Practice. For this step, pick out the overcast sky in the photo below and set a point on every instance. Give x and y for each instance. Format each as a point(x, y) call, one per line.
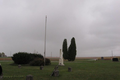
point(95, 24)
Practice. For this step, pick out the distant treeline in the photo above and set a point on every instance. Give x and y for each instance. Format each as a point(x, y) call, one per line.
point(2, 54)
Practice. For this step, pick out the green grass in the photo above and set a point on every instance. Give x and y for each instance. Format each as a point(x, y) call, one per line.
point(81, 70)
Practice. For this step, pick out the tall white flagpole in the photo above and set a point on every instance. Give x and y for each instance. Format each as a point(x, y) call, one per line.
point(45, 39)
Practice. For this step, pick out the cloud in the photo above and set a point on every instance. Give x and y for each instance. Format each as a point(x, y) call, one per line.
point(94, 24)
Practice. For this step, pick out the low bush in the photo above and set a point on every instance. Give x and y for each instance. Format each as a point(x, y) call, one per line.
point(24, 57)
point(102, 58)
point(47, 61)
point(33, 59)
point(40, 62)
point(37, 62)
point(115, 59)
point(36, 56)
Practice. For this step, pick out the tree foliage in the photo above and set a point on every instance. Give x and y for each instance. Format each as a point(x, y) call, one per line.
point(2, 54)
point(64, 49)
point(72, 50)
point(69, 53)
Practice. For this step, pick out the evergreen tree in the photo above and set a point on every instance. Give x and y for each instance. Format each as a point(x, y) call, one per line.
point(72, 50)
point(64, 49)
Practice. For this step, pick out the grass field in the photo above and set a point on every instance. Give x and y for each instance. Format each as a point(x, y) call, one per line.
point(81, 70)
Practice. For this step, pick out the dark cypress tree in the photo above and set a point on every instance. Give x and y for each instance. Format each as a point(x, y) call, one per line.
point(72, 50)
point(64, 49)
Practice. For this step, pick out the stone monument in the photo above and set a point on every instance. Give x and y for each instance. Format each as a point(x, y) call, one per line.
point(61, 59)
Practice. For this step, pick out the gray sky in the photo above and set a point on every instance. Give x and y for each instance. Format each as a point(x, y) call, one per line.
point(95, 24)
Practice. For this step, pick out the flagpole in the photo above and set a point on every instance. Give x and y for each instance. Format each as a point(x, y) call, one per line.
point(45, 39)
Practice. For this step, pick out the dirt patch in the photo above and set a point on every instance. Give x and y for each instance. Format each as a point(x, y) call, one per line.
point(5, 58)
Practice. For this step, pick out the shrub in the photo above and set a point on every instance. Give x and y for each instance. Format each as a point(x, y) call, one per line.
point(22, 58)
point(40, 62)
point(37, 62)
point(102, 58)
point(47, 61)
point(36, 55)
point(33, 59)
point(115, 59)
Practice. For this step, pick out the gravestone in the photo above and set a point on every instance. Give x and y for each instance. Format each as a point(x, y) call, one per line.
point(41, 67)
point(19, 66)
point(61, 59)
point(69, 69)
point(1, 74)
point(55, 72)
point(29, 77)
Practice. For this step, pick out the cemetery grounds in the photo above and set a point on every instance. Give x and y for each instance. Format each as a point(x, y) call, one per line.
point(82, 69)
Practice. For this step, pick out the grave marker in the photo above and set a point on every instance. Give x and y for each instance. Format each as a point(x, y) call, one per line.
point(69, 69)
point(41, 67)
point(19, 66)
point(29, 77)
point(1, 74)
point(55, 72)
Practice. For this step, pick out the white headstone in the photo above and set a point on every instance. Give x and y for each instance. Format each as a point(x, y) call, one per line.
point(61, 59)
